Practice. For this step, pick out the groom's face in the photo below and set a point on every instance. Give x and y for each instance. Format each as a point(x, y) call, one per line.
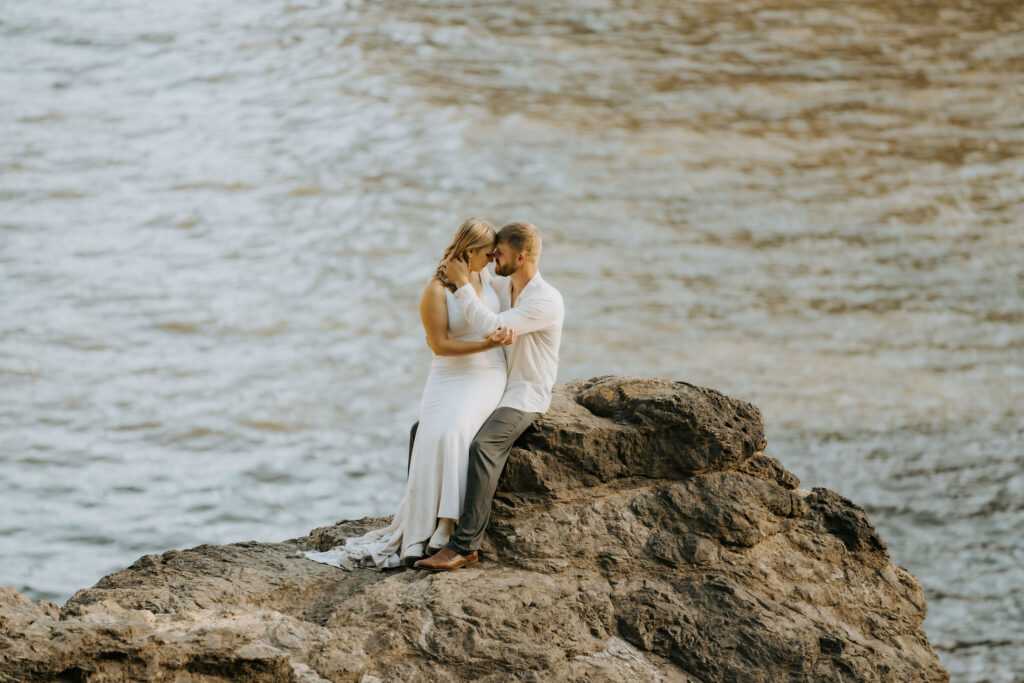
point(505, 259)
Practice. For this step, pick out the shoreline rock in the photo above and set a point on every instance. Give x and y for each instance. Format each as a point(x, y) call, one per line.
point(639, 533)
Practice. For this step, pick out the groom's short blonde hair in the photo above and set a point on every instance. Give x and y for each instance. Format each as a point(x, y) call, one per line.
point(522, 237)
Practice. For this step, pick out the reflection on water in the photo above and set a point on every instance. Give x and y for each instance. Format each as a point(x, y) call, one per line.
point(217, 218)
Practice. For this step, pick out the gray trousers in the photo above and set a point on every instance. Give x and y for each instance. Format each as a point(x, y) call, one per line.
point(487, 455)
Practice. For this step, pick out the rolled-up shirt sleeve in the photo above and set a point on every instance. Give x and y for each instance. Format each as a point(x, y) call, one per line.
point(532, 314)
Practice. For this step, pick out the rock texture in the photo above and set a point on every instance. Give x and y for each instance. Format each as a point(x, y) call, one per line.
point(640, 533)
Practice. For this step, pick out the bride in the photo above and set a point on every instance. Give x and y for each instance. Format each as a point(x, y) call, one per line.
point(466, 381)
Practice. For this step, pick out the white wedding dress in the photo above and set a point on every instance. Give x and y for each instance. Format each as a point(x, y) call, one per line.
point(460, 394)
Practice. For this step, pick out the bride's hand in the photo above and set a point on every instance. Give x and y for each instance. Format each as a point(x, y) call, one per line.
point(502, 337)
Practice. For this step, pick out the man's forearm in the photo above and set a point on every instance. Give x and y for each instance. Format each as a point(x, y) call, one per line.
point(532, 316)
point(477, 315)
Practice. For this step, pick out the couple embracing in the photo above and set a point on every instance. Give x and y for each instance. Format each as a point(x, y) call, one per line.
point(495, 342)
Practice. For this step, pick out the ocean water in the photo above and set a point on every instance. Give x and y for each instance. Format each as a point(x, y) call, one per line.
point(216, 220)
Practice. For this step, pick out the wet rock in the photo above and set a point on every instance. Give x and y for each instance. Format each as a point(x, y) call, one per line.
point(639, 533)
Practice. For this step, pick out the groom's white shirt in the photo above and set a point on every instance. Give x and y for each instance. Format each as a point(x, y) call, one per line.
point(533, 358)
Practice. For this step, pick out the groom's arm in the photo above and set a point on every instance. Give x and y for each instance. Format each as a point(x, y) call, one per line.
point(536, 313)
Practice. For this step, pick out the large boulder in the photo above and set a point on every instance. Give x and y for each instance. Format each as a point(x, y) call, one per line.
point(639, 533)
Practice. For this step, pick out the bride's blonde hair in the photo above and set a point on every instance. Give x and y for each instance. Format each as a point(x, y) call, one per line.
point(474, 233)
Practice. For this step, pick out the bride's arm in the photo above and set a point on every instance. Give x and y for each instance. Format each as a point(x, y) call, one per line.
point(434, 314)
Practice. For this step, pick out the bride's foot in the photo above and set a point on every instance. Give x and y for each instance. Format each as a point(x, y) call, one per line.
point(411, 554)
point(442, 533)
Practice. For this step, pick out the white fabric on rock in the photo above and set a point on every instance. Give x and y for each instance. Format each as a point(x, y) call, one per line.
point(460, 394)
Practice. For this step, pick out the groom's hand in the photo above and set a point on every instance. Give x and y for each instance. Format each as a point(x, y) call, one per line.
point(457, 271)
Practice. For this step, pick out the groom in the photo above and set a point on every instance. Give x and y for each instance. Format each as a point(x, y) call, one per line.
point(534, 309)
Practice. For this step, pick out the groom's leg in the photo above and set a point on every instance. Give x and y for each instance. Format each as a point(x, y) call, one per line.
point(487, 455)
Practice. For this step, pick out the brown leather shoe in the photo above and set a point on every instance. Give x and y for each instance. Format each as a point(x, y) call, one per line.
point(446, 559)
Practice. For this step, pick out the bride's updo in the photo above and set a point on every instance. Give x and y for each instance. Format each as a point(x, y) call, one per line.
point(474, 233)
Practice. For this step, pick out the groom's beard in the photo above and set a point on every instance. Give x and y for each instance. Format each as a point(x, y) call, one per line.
point(504, 270)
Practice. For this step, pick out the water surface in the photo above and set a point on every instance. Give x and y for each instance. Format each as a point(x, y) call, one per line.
point(216, 221)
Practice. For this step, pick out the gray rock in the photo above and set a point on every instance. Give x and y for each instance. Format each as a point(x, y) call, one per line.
point(639, 533)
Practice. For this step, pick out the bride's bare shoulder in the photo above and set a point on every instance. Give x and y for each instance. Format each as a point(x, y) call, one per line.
point(434, 289)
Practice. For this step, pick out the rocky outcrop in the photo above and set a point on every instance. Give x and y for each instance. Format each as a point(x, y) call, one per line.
point(640, 533)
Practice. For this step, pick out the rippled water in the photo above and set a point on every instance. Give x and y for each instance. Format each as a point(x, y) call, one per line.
point(216, 220)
